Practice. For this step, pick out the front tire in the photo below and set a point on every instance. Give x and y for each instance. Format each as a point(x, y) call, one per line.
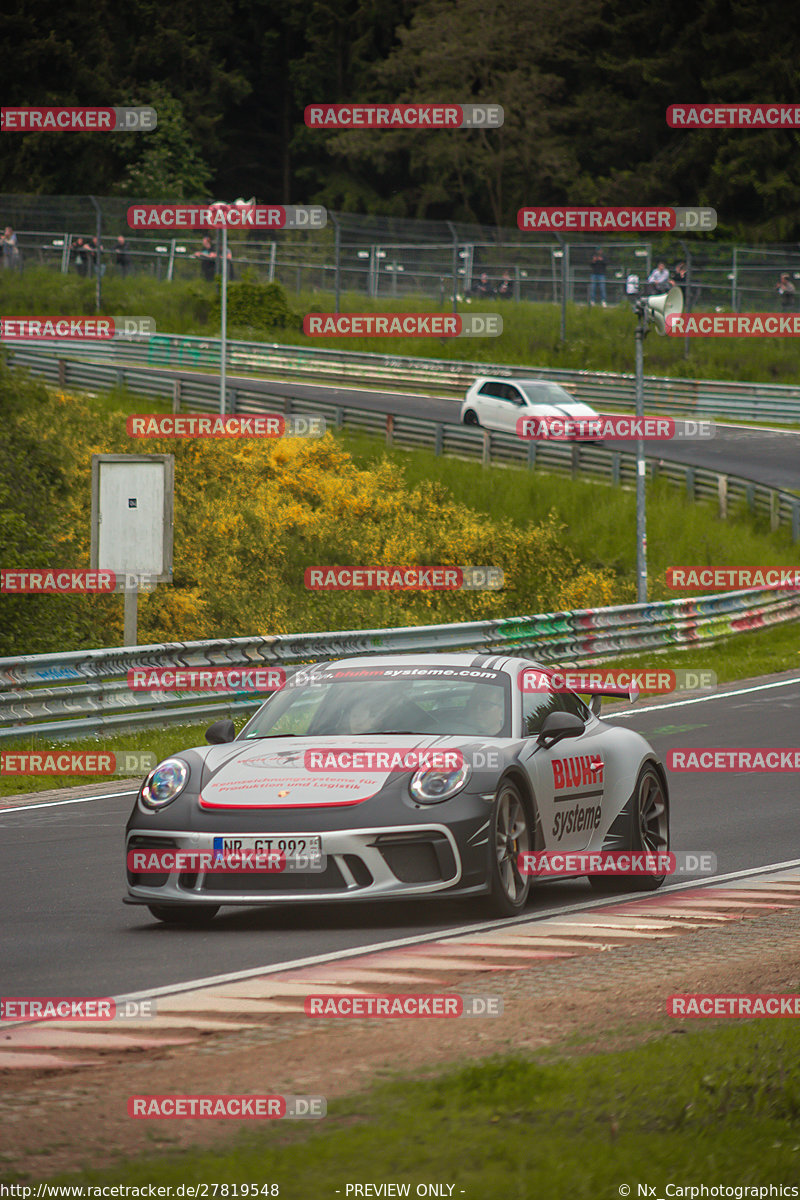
point(509, 836)
point(648, 832)
point(188, 915)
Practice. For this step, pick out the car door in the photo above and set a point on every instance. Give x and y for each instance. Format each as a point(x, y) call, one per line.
point(489, 402)
point(568, 778)
point(511, 407)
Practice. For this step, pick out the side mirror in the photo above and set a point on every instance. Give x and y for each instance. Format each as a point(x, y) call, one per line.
point(558, 725)
point(221, 732)
point(594, 705)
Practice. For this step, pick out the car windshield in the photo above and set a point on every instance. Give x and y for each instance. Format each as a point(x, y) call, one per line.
point(545, 393)
point(336, 707)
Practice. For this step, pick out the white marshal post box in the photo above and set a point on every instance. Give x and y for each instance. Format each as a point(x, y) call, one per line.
point(132, 508)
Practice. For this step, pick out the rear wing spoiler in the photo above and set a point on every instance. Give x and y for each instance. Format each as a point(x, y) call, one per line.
point(629, 694)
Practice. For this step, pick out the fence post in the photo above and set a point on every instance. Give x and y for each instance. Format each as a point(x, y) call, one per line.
point(62, 373)
point(774, 510)
point(487, 449)
point(796, 521)
point(616, 464)
point(690, 482)
point(531, 456)
point(176, 395)
point(439, 443)
point(722, 492)
point(389, 429)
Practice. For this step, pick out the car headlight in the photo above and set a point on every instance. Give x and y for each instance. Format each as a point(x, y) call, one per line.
point(164, 783)
point(430, 786)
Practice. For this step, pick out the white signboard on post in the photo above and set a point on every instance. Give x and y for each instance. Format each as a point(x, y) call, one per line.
point(132, 504)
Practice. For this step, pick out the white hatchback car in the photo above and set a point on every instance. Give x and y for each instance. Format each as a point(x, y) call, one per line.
point(499, 403)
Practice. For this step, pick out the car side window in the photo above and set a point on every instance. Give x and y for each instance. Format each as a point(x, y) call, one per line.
point(495, 390)
point(536, 706)
point(513, 394)
point(573, 704)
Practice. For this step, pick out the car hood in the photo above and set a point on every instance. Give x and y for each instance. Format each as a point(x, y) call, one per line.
point(300, 773)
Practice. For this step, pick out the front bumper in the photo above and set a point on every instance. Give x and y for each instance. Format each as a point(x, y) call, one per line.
point(385, 862)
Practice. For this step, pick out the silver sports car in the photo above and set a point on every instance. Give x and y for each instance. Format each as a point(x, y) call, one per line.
point(390, 777)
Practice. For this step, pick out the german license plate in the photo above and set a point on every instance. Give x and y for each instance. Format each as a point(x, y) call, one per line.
point(290, 843)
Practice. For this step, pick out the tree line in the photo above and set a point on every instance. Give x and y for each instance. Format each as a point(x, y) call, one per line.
point(584, 85)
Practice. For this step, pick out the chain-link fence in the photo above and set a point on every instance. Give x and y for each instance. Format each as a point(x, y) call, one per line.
point(387, 258)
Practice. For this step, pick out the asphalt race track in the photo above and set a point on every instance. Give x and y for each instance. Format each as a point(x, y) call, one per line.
point(66, 931)
point(764, 455)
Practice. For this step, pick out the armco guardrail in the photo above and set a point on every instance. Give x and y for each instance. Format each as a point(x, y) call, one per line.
point(60, 696)
point(186, 390)
point(775, 403)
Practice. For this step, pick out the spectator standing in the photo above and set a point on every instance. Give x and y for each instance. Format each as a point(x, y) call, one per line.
point(632, 287)
point(95, 263)
point(786, 290)
point(121, 257)
point(679, 279)
point(208, 260)
point(81, 252)
point(12, 259)
point(597, 278)
point(658, 279)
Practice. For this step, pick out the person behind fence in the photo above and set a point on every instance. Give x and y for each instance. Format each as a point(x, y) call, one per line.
point(679, 279)
point(208, 260)
point(483, 288)
point(94, 261)
point(597, 278)
point(506, 288)
point(658, 280)
point(786, 290)
point(12, 260)
point(632, 287)
point(122, 259)
point(81, 254)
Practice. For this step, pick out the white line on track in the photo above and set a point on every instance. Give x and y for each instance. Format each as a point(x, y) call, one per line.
point(58, 803)
point(761, 687)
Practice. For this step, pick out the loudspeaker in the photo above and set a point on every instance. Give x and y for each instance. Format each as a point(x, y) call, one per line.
point(668, 305)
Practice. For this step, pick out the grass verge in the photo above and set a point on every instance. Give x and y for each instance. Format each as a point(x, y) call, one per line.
point(714, 1105)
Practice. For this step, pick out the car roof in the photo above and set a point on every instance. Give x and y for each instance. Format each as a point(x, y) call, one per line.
point(503, 663)
point(519, 382)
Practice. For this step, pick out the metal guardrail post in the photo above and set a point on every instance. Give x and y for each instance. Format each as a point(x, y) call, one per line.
point(722, 492)
point(62, 373)
point(486, 457)
point(796, 522)
point(176, 395)
point(774, 510)
point(389, 429)
point(690, 482)
point(438, 445)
